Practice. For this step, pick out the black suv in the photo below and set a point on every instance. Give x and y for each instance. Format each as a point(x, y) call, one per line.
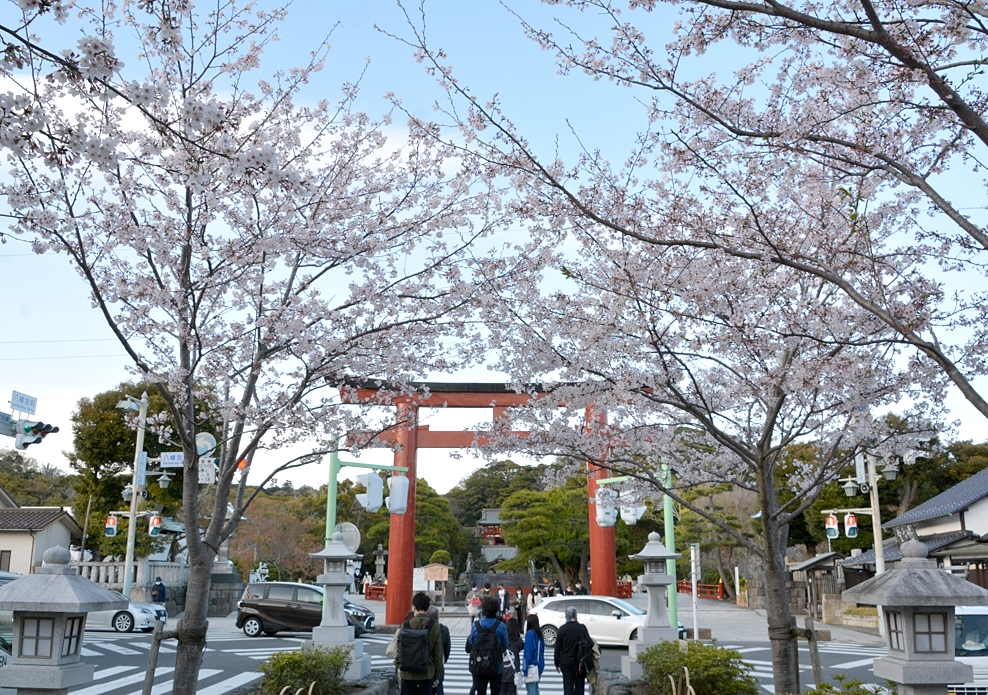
point(270, 607)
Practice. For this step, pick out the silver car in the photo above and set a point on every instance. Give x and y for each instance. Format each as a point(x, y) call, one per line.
point(137, 615)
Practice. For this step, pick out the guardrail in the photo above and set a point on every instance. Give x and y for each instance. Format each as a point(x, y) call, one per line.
point(702, 590)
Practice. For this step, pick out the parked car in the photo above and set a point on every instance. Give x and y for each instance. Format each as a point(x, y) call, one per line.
point(272, 607)
point(137, 615)
point(609, 620)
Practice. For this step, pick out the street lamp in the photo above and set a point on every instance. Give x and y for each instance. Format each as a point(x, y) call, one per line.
point(141, 406)
point(850, 487)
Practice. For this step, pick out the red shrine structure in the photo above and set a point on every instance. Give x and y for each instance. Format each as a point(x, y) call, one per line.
point(407, 436)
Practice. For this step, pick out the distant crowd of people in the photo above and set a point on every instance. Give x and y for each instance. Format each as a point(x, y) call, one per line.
point(504, 659)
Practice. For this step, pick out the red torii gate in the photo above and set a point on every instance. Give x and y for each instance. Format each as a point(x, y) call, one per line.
point(410, 437)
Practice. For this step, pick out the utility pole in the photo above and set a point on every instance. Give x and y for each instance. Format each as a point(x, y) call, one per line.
point(142, 408)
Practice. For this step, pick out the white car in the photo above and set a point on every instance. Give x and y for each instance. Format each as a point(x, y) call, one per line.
point(609, 620)
point(140, 616)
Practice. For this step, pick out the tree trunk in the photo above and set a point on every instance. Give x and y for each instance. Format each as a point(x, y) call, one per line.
point(560, 574)
point(192, 626)
point(725, 573)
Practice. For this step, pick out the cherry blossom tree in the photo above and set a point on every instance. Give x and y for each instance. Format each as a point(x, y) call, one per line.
point(249, 249)
point(705, 368)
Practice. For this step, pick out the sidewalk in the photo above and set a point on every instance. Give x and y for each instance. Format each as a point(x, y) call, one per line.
point(728, 623)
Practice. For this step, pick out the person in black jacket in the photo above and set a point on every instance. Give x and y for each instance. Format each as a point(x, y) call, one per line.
point(566, 656)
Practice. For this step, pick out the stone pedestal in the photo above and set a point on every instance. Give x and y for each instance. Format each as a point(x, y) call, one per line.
point(335, 636)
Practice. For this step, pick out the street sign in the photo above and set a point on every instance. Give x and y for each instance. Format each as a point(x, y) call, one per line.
point(860, 470)
point(172, 459)
point(142, 469)
point(205, 443)
point(4, 418)
point(23, 402)
point(207, 470)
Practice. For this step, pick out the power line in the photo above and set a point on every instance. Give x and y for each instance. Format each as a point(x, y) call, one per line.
point(67, 340)
point(57, 357)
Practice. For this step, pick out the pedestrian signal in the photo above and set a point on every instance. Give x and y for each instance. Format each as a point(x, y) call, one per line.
point(850, 525)
point(154, 526)
point(111, 526)
point(832, 530)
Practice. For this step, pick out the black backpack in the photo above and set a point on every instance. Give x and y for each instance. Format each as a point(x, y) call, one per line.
point(413, 649)
point(485, 655)
point(584, 654)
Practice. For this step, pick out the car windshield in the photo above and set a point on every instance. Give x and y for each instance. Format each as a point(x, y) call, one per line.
point(630, 607)
point(971, 635)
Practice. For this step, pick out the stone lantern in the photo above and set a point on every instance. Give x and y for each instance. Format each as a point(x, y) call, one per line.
point(50, 609)
point(334, 631)
point(379, 556)
point(919, 601)
point(657, 627)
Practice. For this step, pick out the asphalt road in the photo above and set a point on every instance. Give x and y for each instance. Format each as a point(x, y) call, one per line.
point(231, 661)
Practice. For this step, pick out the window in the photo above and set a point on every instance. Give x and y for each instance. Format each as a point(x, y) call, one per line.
point(36, 637)
point(602, 608)
point(309, 596)
point(931, 632)
point(73, 633)
point(280, 592)
point(4, 560)
point(894, 621)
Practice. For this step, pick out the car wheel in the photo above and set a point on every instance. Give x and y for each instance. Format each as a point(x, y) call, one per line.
point(634, 635)
point(252, 627)
point(549, 635)
point(123, 622)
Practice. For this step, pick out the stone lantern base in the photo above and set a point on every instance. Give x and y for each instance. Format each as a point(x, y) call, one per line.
point(922, 677)
point(647, 637)
point(329, 637)
point(49, 681)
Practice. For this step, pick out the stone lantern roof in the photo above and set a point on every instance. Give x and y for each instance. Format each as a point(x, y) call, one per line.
point(654, 550)
point(335, 550)
point(916, 581)
point(55, 587)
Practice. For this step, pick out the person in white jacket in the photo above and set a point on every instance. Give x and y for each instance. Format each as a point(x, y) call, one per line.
point(534, 598)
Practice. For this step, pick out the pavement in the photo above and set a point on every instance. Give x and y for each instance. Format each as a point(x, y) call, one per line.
point(727, 622)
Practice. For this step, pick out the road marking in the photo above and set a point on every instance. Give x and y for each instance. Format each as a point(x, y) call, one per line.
point(147, 645)
point(119, 683)
point(162, 688)
point(117, 648)
point(229, 684)
point(111, 671)
point(855, 664)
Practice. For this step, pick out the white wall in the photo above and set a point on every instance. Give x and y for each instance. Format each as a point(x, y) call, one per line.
point(19, 545)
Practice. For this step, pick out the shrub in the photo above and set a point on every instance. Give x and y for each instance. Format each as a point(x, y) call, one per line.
point(712, 669)
point(862, 610)
point(440, 557)
point(298, 669)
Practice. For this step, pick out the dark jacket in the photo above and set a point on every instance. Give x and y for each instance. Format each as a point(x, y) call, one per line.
point(568, 642)
point(447, 642)
point(419, 622)
point(158, 593)
point(500, 634)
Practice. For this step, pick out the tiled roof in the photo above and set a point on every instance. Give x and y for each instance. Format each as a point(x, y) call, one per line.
point(890, 547)
point(950, 501)
point(824, 559)
point(33, 519)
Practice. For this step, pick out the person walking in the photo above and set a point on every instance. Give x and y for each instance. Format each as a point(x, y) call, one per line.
point(534, 598)
point(159, 594)
point(420, 650)
point(486, 645)
point(515, 645)
point(433, 613)
point(567, 653)
point(473, 601)
point(533, 656)
point(504, 602)
point(520, 607)
point(580, 589)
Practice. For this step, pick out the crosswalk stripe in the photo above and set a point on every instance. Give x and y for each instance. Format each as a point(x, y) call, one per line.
point(112, 671)
point(147, 645)
point(119, 683)
point(162, 688)
point(117, 648)
point(855, 664)
point(229, 684)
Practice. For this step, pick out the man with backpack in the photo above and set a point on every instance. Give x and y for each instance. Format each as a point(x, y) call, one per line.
point(433, 613)
point(486, 645)
point(420, 651)
point(573, 654)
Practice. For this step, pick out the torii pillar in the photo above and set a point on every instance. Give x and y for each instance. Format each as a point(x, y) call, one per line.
point(603, 557)
point(401, 541)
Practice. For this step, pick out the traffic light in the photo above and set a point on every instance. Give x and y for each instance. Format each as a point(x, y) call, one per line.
point(398, 500)
point(832, 530)
point(373, 499)
point(154, 525)
point(28, 432)
point(111, 526)
point(850, 525)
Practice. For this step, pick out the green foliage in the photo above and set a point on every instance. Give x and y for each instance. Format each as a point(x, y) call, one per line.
point(298, 669)
point(33, 485)
point(440, 557)
point(712, 669)
point(490, 486)
point(852, 687)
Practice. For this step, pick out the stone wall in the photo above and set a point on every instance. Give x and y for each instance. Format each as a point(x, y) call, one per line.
point(835, 613)
point(224, 592)
point(797, 596)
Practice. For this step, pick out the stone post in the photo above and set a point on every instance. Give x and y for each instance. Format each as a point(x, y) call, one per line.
point(657, 627)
